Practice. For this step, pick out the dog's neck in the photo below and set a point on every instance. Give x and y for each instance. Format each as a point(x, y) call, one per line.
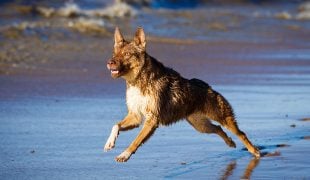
point(150, 69)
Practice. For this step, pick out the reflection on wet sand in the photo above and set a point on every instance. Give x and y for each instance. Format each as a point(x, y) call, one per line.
point(229, 170)
point(189, 168)
point(247, 172)
point(249, 169)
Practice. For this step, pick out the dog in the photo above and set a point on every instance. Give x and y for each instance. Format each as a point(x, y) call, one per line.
point(161, 96)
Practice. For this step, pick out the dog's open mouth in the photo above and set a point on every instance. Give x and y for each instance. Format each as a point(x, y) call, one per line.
point(114, 71)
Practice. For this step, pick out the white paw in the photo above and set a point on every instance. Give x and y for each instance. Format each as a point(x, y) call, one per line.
point(111, 140)
point(123, 157)
point(109, 145)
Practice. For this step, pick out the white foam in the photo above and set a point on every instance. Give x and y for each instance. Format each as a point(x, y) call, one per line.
point(70, 9)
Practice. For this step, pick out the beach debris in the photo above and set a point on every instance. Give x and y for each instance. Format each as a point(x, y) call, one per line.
point(305, 119)
point(183, 163)
point(284, 15)
point(304, 11)
point(83, 25)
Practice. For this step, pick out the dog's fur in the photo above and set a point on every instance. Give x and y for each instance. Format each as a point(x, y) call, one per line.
point(161, 96)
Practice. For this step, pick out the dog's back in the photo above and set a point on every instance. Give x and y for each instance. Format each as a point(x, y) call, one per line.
point(165, 93)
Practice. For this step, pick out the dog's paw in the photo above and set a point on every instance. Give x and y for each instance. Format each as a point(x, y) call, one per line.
point(123, 157)
point(231, 143)
point(109, 145)
point(256, 153)
point(112, 138)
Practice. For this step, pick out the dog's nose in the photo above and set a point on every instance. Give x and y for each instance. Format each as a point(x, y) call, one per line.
point(111, 62)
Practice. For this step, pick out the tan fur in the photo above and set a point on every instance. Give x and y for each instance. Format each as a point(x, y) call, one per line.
point(161, 96)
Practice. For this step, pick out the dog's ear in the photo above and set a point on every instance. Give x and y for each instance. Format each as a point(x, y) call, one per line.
point(140, 38)
point(118, 39)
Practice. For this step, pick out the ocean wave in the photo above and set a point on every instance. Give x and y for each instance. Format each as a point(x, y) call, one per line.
point(70, 9)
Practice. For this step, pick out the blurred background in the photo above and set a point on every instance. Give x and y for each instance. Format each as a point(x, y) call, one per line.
point(163, 20)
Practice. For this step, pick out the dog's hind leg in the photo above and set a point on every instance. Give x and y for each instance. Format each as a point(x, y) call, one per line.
point(129, 122)
point(223, 113)
point(231, 124)
point(203, 125)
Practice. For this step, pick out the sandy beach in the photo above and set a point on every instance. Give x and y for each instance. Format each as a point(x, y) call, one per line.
point(58, 101)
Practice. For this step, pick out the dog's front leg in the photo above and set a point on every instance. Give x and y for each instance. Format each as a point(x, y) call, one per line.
point(112, 138)
point(148, 129)
point(129, 122)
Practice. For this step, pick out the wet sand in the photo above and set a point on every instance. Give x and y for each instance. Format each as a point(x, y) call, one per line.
point(57, 108)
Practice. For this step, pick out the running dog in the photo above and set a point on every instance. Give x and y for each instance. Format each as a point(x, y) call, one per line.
point(161, 96)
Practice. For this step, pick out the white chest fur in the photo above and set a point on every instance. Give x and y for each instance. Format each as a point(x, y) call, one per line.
point(136, 101)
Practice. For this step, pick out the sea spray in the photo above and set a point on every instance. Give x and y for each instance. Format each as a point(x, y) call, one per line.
point(117, 10)
point(93, 26)
point(70, 9)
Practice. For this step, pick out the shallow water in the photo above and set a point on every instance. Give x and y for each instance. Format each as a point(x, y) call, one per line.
point(63, 137)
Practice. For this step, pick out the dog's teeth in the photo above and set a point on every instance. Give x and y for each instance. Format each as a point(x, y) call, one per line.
point(114, 71)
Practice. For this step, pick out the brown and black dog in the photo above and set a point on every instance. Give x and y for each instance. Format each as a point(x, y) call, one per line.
point(161, 96)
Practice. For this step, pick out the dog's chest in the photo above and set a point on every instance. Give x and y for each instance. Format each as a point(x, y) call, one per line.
point(136, 101)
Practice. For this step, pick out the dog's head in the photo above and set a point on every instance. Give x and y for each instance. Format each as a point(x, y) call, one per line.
point(128, 57)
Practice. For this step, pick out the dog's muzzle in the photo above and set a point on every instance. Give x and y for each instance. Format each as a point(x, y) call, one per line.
point(112, 66)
